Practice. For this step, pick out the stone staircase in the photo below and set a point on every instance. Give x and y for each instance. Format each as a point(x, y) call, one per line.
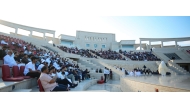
point(116, 75)
point(89, 64)
point(161, 56)
point(177, 68)
point(95, 55)
point(174, 68)
point(19, 86)
point(172, 71)
point(123, 56)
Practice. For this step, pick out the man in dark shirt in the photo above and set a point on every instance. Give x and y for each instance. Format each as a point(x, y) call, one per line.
point(2, 52)
point(25, 59)
point(21, 55)
point(16, 57)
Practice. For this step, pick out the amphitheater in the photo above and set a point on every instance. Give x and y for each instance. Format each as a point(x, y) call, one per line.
point(178, 81)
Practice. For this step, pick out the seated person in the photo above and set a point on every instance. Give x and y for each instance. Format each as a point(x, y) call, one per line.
point(60, 78)
point(16, 54)
point(9, 59)
point(77, 76)
point(2, 52)
point(85, 74)
point(49, 84)
point(43, 63)
point(137, 73)
point(21, 55)
point(25, 59)
point(30, 69)
point(67, 75)
point(96, 70)
point(126, 72)
point(3, 42)
point(79, 72)
point(155, 73)
point(56, 65)
point(100, 70)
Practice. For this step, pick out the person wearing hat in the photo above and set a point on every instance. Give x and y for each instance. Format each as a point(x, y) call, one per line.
point(43, 63)
point(30, 69)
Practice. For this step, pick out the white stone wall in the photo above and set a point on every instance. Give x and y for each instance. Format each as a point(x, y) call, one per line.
point(128, 85)
point(83, 38)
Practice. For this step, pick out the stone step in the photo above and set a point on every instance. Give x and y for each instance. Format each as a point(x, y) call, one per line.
point(6, 86)
point(22, 90)
point(96, 91)
point(82, 86)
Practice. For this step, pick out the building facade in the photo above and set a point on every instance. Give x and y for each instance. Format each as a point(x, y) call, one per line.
point(96, 41)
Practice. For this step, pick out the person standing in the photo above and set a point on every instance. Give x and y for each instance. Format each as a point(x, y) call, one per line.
point(144, 68)
point(110, 74)
point(106, 72)
point(162, 68)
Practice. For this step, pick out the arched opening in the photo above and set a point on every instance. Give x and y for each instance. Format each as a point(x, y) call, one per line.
point(6, 29)
point(50, 42)
point(183, 43)
point(23, 32)
point(138, 48)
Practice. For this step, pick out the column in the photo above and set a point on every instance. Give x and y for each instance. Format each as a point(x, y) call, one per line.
point(149, 44)
point(44, 36)
point(175, 43)
point(140, 45)
point(162, 44)
point(54, 35)
point(31, 33)
point(54, 38)
point(16, 31)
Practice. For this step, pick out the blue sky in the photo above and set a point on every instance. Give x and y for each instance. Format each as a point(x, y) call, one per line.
point(151, 27)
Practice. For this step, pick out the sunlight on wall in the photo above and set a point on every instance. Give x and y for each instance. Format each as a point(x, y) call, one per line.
point(51, 42)
point(6, 29)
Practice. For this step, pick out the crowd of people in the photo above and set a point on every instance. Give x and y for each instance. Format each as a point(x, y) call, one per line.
point(54, 72)
point(75, 50)
point(111, 55)
point(137, 71)
point(140, 56)
point(108, 54)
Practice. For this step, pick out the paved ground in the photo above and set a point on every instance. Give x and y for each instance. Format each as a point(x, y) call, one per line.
point(110, 86)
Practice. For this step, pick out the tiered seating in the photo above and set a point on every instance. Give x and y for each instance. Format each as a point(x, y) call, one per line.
point(6, 76)
point(31, 50)
point(81, 52)
point(140, 56)
point(41, 89)
point(19, 73)
point(108, 54)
